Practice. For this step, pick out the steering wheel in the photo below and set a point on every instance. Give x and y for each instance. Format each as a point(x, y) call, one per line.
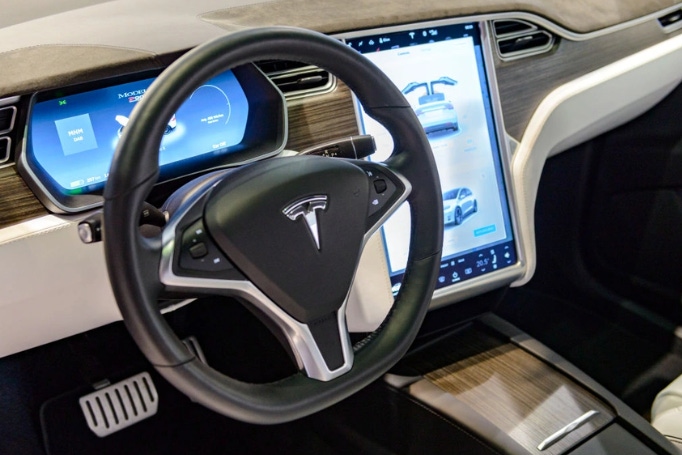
point(285, 235)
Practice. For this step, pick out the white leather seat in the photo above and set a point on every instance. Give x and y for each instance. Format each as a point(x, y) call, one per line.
point(666, 412)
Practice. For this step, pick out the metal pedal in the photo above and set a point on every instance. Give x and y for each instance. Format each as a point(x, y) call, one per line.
point(120, 405)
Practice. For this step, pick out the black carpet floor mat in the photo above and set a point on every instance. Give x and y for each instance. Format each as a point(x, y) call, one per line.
point(179, 427)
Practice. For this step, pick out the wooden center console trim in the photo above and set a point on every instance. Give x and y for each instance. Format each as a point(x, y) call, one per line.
point(516, 392)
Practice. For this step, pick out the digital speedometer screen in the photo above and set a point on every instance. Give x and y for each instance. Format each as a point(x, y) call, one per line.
point(73, 137)
point(441, 71)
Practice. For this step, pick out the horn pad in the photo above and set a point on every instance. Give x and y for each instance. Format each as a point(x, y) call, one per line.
point(295, 227)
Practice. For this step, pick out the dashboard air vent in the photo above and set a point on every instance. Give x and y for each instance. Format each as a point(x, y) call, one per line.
point(671, 21)
point(297, 80)
point(5, 145)
point(512, 27)
point(516, 38)
point(7, 116)
point(9, 132)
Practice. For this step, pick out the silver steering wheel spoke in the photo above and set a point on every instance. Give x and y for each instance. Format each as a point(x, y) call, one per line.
point(309, 351)
point(191, 264)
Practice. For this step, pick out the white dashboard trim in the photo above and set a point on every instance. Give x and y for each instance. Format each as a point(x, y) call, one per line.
point(74, 294)
point(583, 109)
point(55, 286)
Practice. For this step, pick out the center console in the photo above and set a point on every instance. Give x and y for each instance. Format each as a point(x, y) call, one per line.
point(518, 396)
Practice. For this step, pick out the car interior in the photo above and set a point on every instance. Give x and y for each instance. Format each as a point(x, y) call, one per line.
point(231, 226)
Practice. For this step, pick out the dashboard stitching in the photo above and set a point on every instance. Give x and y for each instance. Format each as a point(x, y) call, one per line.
point(30, 235)
point(92, 46)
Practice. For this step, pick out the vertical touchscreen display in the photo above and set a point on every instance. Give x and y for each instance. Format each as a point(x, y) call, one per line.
point(441, 71)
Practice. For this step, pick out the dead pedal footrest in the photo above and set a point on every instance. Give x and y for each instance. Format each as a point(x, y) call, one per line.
point(120, 405)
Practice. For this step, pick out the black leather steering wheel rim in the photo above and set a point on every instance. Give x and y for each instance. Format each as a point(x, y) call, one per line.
point(133, 260)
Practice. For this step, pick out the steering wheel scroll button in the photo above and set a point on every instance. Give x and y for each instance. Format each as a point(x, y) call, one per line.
point(90, 229)
point(199, 254)
point(381, 191)
point(198, 251)
point(380, 185)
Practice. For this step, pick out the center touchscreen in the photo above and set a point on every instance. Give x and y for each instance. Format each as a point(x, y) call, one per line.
point(441, 71)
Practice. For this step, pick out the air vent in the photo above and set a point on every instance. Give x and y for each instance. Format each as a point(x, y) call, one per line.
point(7, 116)
point(5, 145)
point(671, 21)
point(524, 44)
point(512, 27)
point(9, 132)
point(298, 80)
point(516, 39)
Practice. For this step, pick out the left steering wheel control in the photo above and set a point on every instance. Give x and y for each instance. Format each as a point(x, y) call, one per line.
point(90, 229)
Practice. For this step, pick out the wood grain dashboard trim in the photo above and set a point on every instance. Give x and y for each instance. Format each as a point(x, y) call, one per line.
point(321, 118)
point(524, 83)
point(17, 201)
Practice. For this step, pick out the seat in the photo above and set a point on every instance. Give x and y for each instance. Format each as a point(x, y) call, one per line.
point(666, 412)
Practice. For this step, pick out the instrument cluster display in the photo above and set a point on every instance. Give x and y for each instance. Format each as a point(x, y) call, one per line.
point(73, 133)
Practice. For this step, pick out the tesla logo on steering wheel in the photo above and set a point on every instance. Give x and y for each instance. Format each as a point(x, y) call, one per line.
point(307, 208)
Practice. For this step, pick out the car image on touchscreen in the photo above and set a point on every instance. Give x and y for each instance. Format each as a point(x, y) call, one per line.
point(458, 204)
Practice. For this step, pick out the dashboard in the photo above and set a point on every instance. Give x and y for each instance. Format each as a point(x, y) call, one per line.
point(493, 111)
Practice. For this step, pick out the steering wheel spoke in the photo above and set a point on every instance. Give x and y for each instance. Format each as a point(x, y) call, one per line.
point(194, 263)
point(321, 348)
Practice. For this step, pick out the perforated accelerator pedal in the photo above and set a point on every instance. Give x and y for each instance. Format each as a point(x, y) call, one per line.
point(120, 405)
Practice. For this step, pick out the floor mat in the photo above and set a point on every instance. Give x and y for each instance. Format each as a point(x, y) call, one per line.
point(170, 431)
point(179, 427)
